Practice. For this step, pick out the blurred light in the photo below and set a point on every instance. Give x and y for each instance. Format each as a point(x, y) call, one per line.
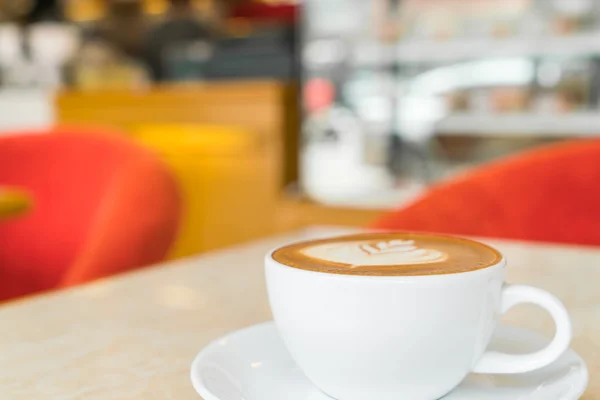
point(417, 109)
point(318, 94)
point(324, 52)
point(438, 80)
point(417, 117)
point(574, 7)
point(84, 10)
point(187, 138)
point(156, 7)
point(375, 108)
point(549, 74)
point(10, 49)
point(519, 71)
point(498, 72)
point(54, 43)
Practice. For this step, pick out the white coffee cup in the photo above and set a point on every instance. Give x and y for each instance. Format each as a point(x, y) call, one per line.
point(401, 337)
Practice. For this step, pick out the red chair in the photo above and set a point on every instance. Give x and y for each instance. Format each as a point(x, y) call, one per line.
point(102, 206)
point(551, 194)
point(284, 13)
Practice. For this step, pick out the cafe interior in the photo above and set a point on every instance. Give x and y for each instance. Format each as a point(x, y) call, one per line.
point(140, 137)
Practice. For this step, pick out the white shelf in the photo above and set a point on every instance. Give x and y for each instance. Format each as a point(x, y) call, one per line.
point(574, 124)
point(415, 51)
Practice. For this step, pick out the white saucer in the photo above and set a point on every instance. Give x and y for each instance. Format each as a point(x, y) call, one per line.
point(253, 364)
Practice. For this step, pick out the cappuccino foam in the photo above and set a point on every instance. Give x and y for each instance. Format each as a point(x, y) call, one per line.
point(393, 254)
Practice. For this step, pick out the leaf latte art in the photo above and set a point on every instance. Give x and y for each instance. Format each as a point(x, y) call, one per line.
point(376, 253)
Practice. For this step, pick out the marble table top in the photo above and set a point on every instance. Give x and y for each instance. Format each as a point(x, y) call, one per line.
point(134, 336)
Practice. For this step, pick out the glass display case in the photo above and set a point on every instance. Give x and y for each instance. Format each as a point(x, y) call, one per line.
point(434, 87)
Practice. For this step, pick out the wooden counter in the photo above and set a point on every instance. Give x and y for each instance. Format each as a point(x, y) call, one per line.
point(268, 109)
point(231, 190)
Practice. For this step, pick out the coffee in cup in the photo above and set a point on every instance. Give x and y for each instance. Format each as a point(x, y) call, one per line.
point(389, 254)
point(392, 316)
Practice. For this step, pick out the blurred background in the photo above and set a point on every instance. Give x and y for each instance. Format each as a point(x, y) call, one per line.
point(267, 115)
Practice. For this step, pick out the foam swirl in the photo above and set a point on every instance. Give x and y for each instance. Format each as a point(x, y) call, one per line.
point(376, 253)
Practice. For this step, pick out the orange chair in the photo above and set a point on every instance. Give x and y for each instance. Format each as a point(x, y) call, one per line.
point(550, 194)
point(102, 206)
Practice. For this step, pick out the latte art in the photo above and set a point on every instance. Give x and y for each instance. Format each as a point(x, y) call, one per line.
point(381, 253)
point(388, 254)
point(389, 246)
point(405, 251)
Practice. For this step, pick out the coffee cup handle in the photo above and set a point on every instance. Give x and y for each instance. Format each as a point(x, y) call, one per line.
point(493, 362)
